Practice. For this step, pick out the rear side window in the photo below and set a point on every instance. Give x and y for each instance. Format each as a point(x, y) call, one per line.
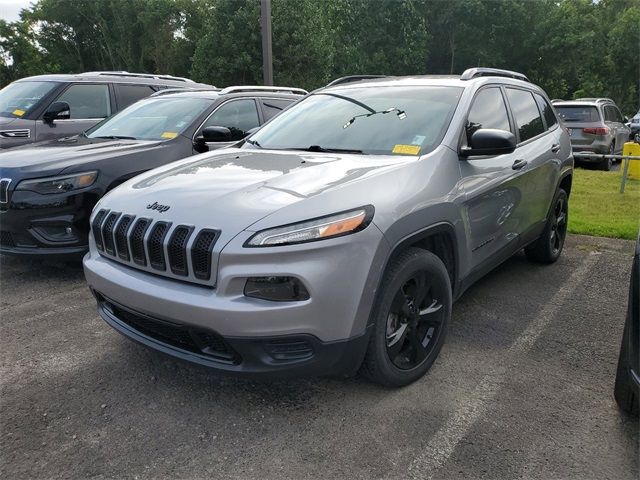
point(128, 94)
point(239, 116)
point(272, 107)
point(547, 111)
point(526, 113)
point(488, 111)
point(578, 113)
point(87, 100)
point(612, 114)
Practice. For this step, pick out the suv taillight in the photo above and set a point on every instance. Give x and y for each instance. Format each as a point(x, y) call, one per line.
point(596, 130)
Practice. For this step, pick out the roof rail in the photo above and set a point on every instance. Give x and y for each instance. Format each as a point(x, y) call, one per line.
point(260, 88)
point(598, 99)
point(352, 78)
point(470, 73)
point(167, 91)
point(122, 73)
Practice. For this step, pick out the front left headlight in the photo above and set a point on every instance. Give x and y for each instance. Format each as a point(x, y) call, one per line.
point(331, 226)
point(60, 184)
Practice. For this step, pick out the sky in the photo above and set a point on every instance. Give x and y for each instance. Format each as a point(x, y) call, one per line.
point(10, 9)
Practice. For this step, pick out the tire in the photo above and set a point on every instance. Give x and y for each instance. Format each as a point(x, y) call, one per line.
point(624, 391)
point(410, 318)
point(548, 247)
point(607, 163)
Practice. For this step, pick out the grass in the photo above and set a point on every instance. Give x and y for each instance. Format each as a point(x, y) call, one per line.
point(597, 207)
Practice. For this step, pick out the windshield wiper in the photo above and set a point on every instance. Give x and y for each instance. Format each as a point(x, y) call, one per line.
point(253, 142)
point(116, 137)
point(318, 148)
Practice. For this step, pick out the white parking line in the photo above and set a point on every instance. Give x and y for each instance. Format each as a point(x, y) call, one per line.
point(443, 443)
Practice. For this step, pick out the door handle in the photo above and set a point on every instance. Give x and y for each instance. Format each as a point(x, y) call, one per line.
point(555, 148)
point(518, 164)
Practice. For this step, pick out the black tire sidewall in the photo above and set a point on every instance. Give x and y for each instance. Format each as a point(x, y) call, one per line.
point(407, 264)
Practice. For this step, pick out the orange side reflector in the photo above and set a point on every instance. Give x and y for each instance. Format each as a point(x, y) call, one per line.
point(342, 226)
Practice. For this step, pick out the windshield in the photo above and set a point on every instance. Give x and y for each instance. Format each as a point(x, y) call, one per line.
point(152, 119)
point(371, 120)
point(578, 113)
point(19, 98)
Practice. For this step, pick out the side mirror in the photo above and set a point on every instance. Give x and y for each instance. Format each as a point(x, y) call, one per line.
point(487, 141)
point(57, 111)
point(216, 134)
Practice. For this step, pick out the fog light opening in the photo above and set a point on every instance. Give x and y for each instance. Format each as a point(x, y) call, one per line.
point(276, 289)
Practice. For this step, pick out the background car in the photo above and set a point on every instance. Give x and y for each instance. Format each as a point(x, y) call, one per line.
point(634, 124)
point(627, 387)
point(595, 126)
point(54, 106)
point(47, 190)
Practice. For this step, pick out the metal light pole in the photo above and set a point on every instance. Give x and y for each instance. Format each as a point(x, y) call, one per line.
point(267, 54)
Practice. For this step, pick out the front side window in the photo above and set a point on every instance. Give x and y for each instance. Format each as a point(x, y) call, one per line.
point(526, 113)
point(161, 118)
point(19, 98)
point(547, 111)
point(488, 111)
point(372, 120)
point(87, 101)
point(239, 116)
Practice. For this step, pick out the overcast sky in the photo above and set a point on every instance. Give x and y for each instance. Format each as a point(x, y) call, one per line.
point(10, 9)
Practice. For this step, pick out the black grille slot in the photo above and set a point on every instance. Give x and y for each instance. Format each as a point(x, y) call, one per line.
point(95, 228)
point(107, 233)
point(121, 237)
point(6, 239)
point(178, 250)
point(137, 241)
point(290, 349)
point(201, 253)
point(4, 190)
point(155, 245)
point(191, 339)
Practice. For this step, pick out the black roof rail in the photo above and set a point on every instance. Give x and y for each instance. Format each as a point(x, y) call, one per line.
point(470, 73)
point(263, 88)
point(352, 78)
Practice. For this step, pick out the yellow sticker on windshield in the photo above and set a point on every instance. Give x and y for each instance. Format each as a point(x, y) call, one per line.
point(406, 149)
point(169, 135)
point(18, 113)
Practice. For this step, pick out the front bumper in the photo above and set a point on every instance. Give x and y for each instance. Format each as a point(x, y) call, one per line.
point(288, 355)
point(333, 322)
point(52, 225)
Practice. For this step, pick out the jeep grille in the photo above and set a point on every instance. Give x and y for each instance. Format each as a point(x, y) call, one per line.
point(153, 246)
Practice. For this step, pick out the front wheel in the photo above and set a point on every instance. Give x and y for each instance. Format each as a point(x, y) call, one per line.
point(548, 247)
point(410, 317)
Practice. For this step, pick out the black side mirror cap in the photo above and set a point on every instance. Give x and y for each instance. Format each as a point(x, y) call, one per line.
point(57, 111)
point(488, 141)
point(215, 134)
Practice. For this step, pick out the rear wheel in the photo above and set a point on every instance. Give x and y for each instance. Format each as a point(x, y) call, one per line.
point(607, 163)
point(410, 318)
point(548, 247)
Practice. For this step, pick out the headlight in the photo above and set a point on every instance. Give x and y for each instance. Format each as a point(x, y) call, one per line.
point(317, 229)
point(61, 184)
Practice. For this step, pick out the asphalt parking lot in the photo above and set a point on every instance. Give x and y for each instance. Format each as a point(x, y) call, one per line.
point(522, 389)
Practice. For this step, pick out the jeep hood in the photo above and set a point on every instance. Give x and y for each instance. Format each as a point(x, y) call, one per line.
point(54, 156)
point(233, 189)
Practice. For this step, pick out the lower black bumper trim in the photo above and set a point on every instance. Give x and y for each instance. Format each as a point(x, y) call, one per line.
point(280, 356)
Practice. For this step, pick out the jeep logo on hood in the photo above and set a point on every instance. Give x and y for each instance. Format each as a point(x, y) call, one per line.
point(158, 207)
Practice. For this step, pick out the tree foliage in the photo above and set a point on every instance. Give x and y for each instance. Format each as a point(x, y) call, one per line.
point(570, 47)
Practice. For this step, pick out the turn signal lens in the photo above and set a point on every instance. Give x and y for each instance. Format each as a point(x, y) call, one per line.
point(317, 229)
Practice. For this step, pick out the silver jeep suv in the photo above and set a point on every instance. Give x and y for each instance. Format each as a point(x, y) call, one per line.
point(595, 126)
point(337, 236)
